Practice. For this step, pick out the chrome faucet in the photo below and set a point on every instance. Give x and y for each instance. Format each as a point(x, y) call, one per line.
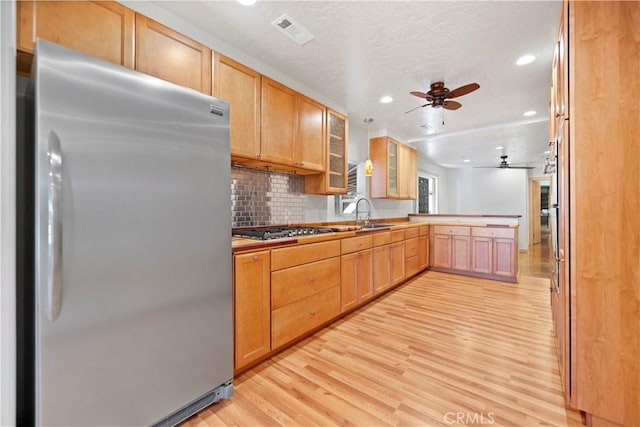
point(366, 221)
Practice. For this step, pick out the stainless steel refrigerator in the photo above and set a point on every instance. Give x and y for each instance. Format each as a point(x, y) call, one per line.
point(126, 198)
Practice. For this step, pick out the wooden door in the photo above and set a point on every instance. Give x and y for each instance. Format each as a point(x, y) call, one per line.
point(535, 210)
point(169, 55)
point(397, 262)
point(441, 254)
point(252, 307)
point(311, 141)
point(240, 86)
point(102, 29)
point(278, 123)
point(381, 268)
point(365, 275)
point(482, 255)
point(460, 252)
point(349, 281)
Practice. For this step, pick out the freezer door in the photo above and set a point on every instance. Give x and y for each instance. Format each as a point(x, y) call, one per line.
point(133, 248)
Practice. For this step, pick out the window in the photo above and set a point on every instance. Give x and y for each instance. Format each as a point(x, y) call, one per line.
point(426, 194)
point(345, 204)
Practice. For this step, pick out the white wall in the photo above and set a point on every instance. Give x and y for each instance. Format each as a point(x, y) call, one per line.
point(490, 191)
point(7, 213)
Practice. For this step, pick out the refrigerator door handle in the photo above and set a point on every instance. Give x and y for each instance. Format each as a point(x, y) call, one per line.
point(54, 229)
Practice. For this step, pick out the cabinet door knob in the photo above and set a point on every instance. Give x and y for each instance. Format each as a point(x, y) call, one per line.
point(255, 257)
point(312, 313)
point(313, 279)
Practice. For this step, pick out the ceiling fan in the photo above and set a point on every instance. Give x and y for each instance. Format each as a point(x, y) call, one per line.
point(439, 96)
point(504, 164)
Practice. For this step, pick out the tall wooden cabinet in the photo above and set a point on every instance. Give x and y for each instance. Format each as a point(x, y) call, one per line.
point(98, 28)
point(597, 109)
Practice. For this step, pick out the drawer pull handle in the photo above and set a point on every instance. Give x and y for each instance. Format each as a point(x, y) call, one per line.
point(312, 313)
point(313, 279)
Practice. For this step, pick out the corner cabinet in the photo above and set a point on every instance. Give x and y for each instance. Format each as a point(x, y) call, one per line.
point(240, 86)
point(394, 169)
point(334, 179)
point(99, 28)
point(252, 306)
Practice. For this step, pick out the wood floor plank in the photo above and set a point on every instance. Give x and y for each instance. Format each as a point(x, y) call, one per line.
point(440, 350)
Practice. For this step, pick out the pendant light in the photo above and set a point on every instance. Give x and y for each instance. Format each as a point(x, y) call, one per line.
point(368, 164)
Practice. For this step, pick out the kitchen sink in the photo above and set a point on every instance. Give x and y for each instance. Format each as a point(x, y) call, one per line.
point(376, 226)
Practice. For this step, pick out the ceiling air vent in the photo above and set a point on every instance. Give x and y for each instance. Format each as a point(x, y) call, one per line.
point(292, 29)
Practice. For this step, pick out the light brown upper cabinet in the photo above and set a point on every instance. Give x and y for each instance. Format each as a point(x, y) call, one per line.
point(240, 86)
point(278, 123)
point(394, 169)
point(310, 143)
point(334, 180)
point(292, 129)
point(169, 55)
point(102, 29)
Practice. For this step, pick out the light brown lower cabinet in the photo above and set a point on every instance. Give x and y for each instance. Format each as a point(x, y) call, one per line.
point(411, 260)
point(423, 248)
point(490, 252)
point(356, 271)
point(252, 306)
point(381, 268)
point(397, 262)
point(305, 289)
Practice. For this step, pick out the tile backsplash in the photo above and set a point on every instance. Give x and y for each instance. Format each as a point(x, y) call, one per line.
point(265, 198)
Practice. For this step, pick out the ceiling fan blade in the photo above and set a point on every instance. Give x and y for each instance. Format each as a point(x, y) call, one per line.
point(415, 108)
point(451, 105)
point(519, 167)
point(422, 95)
point(463, 90)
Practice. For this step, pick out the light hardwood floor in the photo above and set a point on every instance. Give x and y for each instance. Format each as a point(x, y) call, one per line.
point(440, 350)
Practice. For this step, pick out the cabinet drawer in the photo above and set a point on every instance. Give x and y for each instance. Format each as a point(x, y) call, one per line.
point(295, 283)
point(383, 238)
point(411, 266)
point(354, 244)
point(423, 230)
point(411, 247)
point(452, 230)
point(397, 236)
point(503, 233)
point(302, 254)
point(293, 320)
point(410, 233)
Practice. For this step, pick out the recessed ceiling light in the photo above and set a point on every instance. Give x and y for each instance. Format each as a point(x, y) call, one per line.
point(386, 99)
point(547, 152)
point(529, 113)
point(524, 59)
point(499, 147)
point(248, 2)
point(466, 160)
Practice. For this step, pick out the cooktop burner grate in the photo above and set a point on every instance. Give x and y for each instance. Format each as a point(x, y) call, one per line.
point(268, 233)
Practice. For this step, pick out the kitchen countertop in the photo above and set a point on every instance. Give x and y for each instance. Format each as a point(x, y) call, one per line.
point(349, 230)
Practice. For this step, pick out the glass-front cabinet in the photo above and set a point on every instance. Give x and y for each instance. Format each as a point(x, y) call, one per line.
point(334, 180)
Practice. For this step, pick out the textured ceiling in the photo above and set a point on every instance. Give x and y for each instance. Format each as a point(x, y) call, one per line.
point(363, 50)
